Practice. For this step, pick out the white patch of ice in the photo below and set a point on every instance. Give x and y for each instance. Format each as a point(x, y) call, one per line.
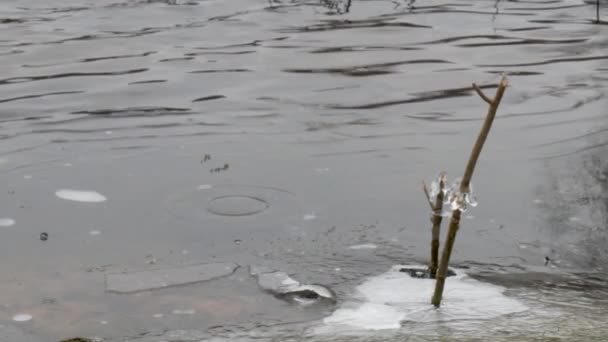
point(94, 232)
point(290, 282)
point(538, 201)
point(387, 300)
point(184, 312)
point(364, 246)
point(103, 322)
point(6, 222)
point(158, 315)
point(205, 187)
point(309, 216)
point(27, 176)
point(22, 318)
point(80, 195)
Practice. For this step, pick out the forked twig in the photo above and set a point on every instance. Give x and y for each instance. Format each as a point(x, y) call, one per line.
point(464, 188)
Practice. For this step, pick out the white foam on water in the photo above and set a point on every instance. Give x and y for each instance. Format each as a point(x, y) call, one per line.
point(387, 300)
point(22, 318)
point(6, 222)
point(80, 195)
point(364, 246)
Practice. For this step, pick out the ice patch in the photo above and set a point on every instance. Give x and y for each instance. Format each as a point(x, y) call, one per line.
point(205, 187)
point(387, 300)
point(364, 246)
point(283, 286)
point(22, 318)
point(309, 217)
point(184, 312)
point(94, 232)
point(80, 196)
point(6, 222)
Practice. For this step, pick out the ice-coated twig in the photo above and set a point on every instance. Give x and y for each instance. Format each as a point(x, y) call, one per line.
point(428, 196)
point(465, 189)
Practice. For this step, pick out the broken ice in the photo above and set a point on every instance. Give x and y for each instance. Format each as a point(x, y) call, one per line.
point(22, 318)
point(283, 286)
point(80, 195)
point(135, 281)
point(6, 222)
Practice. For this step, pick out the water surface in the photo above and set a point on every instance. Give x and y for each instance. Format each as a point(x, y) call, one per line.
point(283, 134)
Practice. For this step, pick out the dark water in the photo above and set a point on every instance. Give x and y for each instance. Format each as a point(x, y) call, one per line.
point(281, 134)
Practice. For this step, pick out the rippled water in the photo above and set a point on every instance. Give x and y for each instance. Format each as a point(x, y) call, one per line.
point(283, 133)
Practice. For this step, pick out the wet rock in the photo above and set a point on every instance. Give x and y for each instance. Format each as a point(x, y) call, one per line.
point(143, 280)
point(282, 286)
point(422, 272)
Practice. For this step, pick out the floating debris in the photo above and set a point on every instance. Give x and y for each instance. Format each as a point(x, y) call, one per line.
point(143, 280)
point(80, 196)
point(22, 318)
point(6, 222)
point(282, 286)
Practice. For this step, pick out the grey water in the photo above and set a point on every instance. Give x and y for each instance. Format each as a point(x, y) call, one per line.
point(294, 135)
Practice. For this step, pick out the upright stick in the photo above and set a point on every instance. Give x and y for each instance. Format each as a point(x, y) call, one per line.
point(464, 187)
point(436, 211)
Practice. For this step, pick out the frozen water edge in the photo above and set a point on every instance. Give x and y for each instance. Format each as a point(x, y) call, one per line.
point(389, 299)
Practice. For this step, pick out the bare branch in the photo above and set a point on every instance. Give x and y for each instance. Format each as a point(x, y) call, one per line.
point(428, 195)
point(482, 95)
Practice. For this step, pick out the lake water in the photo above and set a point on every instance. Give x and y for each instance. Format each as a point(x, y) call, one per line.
point(137, 135)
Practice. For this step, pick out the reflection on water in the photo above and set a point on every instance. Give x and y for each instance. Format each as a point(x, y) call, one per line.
point(322, 117)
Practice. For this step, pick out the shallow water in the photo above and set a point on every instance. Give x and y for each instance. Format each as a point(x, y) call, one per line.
point(286, 135)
